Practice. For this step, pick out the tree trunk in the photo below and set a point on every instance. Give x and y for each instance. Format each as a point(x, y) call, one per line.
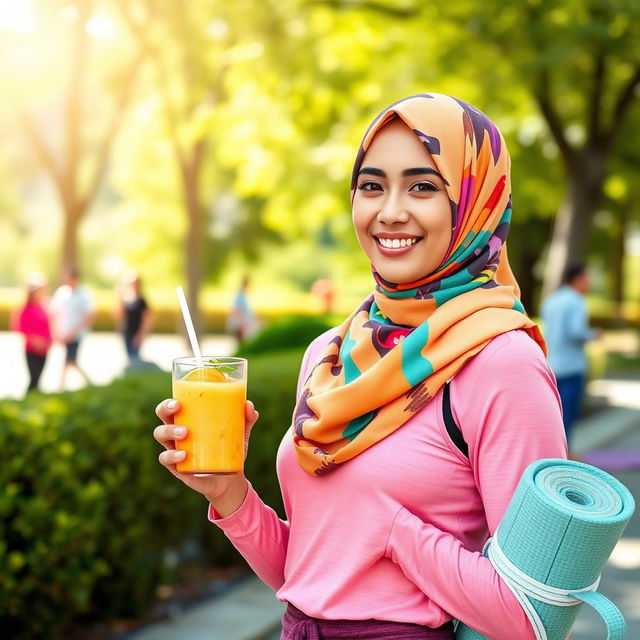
point(573, 220)
point(69, 256)
point(73, 213)
point(617, 264)
point(526, 278)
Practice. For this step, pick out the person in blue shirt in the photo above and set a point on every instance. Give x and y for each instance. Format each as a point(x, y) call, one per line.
point(566, 329)
point(242, 322)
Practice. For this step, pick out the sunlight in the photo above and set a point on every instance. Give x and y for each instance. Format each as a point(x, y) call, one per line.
point(100, 27)
point(17, 15)
point(626, 555)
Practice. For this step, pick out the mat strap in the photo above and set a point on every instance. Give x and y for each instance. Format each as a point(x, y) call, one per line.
point(524, 587)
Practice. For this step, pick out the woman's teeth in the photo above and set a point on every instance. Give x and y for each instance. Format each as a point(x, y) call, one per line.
point(395, 243)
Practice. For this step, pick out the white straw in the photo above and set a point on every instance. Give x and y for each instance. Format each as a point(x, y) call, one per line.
point(188, 323)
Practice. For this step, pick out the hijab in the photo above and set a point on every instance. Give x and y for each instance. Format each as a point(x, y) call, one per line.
point(390, 357)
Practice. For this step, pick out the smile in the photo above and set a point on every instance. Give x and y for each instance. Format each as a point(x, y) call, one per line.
point(395, 243)
point(390, 246)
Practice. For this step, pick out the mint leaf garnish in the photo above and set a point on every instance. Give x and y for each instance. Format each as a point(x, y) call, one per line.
point(222, 369)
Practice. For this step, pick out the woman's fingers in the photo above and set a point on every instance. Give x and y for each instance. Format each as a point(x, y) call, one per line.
point(250, 414)
point(166, 410)
point(166, 434)
point(170, 458)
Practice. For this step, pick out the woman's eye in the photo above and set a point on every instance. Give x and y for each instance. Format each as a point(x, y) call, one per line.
point(370, 186)
point(424, 186)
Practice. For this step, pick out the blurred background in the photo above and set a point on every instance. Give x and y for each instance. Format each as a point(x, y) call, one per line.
point(200, 143)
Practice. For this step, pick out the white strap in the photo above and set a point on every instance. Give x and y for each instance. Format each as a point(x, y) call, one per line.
point(524, 587)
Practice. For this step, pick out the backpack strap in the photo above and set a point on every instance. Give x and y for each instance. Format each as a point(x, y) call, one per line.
point(449, 422)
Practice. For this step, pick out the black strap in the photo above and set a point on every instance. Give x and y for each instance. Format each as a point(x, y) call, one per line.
point(449, 422)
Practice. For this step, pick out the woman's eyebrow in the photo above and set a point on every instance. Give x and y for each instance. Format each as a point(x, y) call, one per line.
point(414, 171)
point(419, 171)
point(373, 172)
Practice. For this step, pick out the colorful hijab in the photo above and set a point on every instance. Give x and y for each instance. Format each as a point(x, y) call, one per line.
point(392, 354)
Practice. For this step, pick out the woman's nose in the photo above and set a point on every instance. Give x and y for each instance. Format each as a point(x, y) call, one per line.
point(392, 210)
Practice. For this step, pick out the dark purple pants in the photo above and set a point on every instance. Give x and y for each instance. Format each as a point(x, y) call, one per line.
point(299, 626)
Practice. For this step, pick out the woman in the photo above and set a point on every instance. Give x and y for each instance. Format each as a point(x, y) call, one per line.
point(386, 515)
point(33, 322)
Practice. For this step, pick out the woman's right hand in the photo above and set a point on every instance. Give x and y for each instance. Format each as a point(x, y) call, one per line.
point(222, 491)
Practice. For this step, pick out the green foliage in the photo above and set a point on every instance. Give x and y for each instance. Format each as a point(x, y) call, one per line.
point(91, 522)
point(271, 385)
point(87, 511)
point(286, 333)
point(268, 136)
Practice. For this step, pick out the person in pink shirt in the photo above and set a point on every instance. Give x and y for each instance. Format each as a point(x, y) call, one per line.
point(32, 321)
point(416, 417)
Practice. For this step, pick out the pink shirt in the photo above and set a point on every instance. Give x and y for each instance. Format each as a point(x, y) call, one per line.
point(396, 533)
point(33, 322)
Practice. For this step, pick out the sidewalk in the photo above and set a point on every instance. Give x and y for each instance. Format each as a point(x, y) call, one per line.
point(102, 356)
point(620, 415)
point(250, 611)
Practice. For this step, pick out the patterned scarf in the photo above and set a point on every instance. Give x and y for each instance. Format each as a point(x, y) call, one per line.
point(394, 352)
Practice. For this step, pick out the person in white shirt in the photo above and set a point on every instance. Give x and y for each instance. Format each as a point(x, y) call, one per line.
point(72, 314)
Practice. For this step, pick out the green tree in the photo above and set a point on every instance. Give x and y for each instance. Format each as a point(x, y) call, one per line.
point(580, 62)
point(74, 149)
point(196, 52)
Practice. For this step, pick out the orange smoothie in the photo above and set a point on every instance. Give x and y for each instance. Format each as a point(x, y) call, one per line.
point(213, 412)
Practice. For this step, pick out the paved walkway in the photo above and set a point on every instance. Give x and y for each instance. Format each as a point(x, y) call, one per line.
point(249, 611)
point(102, 356)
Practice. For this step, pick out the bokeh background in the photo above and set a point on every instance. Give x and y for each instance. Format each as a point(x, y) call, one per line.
point(192, 141)
point(197, 142)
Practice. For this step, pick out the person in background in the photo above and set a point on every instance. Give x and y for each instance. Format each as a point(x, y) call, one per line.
point(72, 314)
point(566, 328)
point(241, 322)
point(134, 316)
point(32, 321)
point(323, 289)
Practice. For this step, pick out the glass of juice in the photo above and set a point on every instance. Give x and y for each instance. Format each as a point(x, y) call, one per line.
point(212, 395)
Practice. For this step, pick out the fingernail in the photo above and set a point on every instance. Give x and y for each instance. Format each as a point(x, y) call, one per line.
point(179, 431)
point(179, 455)
point(171, 404)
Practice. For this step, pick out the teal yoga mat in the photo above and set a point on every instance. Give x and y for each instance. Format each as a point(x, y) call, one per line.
point(561, 526)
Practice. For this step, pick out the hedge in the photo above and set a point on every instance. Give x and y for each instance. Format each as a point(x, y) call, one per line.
point(91, 522)
point(295, 331)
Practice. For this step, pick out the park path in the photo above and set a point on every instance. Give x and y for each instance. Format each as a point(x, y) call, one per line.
point(102, 356)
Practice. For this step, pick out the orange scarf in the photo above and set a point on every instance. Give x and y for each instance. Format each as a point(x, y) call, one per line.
point(392, 354)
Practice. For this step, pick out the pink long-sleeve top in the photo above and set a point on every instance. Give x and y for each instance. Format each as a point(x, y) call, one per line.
point(397, 532)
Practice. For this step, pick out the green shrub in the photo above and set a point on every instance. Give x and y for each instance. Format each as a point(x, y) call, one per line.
point(91, 522)
point(271, 385)
point(286, 333)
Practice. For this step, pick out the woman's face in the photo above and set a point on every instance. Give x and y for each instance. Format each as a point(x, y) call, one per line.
point(401, 210)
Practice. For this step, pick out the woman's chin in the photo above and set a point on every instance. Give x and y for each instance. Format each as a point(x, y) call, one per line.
point(397, 276)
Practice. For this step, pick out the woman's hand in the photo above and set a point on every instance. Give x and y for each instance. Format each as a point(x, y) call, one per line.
point(222, 491)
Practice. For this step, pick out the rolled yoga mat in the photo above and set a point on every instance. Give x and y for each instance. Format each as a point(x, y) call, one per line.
point(561, 526)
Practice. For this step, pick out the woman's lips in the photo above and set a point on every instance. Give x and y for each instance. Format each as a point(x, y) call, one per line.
point(396, 251)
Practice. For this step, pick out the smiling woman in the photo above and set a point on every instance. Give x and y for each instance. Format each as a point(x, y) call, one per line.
point(401, 211)
point(386, 516)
